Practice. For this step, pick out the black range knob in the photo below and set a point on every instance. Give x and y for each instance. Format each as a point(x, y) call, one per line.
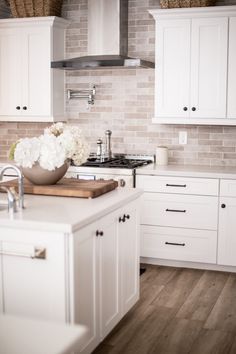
point(18, 107)
point(127, 216)
point(99, 233)
point(185, 108)
point(24, 108)
point(223, 206)
point(193, 109)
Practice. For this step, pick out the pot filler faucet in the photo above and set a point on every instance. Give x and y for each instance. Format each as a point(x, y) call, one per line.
point(11, 197)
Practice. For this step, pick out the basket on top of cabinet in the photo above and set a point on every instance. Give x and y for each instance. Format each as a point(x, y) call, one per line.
point(32, 8)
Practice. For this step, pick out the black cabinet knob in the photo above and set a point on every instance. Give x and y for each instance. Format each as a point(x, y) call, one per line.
point(122, 219)
point(99, 233)
point(223, 206)
point(25, 108)
point(193, 109)
point(18, 107)
point(185, 108)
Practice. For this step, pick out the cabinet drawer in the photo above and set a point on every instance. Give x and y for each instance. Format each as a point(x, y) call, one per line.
point(182, 185)
point(178, 244)
point(228, 188)
point(198, 212)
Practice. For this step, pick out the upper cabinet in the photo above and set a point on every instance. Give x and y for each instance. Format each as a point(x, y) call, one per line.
point(232, 69)
point(30, 90)
point(195, 65)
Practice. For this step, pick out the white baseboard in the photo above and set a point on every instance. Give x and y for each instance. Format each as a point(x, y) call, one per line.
point(182, 264)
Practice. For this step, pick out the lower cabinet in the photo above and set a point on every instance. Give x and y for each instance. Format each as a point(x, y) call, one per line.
point(227, 223)
point(33, 274)
point(106, 265)
point(179, 218)
point(90, 277)
point(227, 231)
point(179, 244)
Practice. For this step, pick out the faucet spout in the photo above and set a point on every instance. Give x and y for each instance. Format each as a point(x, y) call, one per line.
point(20, 182)
point(11, 200)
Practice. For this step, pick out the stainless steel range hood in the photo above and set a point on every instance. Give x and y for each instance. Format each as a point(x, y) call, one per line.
point(107, 39)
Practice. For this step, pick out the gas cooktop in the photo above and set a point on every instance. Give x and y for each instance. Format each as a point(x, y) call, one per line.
point(117, 162)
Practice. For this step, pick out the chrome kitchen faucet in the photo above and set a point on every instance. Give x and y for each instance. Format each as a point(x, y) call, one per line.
point(20, 184)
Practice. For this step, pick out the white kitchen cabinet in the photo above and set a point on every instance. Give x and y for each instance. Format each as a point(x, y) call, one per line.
point(129, 246)
point(176, 210)
point(1, 283)
point(96, 287)
point(227, 223)
point(179, 218)
point(173, 243)
point(33, 287)
point(107, 267)
point(192, 65)
point(29, 89)
point(172, 68)
point(89, 276)
point(232, 70)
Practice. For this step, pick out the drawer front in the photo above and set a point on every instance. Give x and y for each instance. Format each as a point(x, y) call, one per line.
point(182, 185)
point(228, 188)
point(197, 212)
point(178, 244)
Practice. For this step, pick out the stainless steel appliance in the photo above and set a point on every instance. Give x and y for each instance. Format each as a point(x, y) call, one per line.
point(120, 167)
point(107, 39)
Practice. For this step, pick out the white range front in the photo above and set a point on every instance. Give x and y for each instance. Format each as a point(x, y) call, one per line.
point(124, 176)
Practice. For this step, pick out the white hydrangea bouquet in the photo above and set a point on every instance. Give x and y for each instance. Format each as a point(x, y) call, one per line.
point(59, 144)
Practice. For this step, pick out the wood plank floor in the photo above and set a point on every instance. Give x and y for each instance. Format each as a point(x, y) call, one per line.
point(180, 311)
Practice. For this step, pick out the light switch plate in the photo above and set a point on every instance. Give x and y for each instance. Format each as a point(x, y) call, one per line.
point(183, 137)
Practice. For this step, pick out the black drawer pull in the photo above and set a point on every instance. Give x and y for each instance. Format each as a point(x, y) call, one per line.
point(176, 210)
point(174, 244)
point(176, 185)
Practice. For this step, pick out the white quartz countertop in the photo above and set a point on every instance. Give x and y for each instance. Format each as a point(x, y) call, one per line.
point(188, 171)
point(33, 336)
point(63, 214)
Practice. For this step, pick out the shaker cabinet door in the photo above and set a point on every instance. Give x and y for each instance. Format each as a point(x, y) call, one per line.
point(208, 67)
point(172, 68)
point(226, 233)
point(109, 274)
point(86, 296)
point(10, 73)
point(1, 281)
point(36, 72)
point(232, 70)
point(129, 232)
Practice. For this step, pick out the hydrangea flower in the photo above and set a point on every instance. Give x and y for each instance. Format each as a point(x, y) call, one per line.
point(52, 153)
point(27, 152)
point(52, 149)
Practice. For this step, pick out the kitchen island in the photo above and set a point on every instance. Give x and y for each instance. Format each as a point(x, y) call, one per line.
point(72, 260)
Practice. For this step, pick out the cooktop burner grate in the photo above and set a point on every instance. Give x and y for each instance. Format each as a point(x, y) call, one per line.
point(116, 163)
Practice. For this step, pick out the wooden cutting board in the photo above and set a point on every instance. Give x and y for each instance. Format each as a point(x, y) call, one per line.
point(68, 187)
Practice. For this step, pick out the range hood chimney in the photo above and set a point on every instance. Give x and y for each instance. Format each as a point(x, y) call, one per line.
point(107, 39)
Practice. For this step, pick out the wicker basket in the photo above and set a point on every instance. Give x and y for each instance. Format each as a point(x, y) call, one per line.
point(5, 11)
point(169, 4)
point(32, 8)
